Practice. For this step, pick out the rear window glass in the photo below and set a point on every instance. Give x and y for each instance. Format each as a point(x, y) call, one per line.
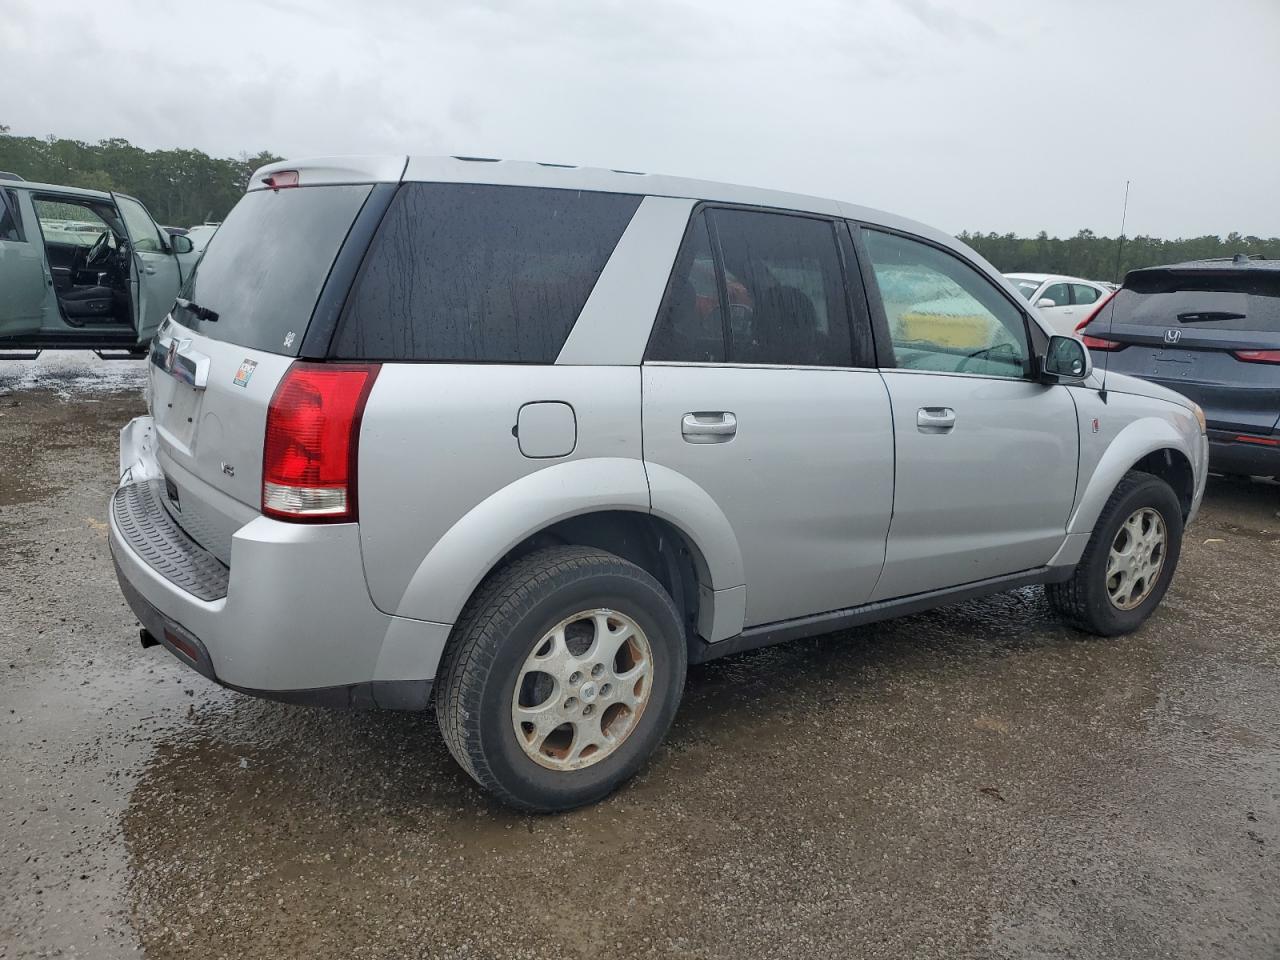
point(472, 272)
point(263, 271)
point(1223, 300)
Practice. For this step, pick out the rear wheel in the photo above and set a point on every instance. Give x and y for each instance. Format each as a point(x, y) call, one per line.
point(1129, 561)
point(561, 677)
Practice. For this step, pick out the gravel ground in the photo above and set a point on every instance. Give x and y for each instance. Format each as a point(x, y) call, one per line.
point(977, 781)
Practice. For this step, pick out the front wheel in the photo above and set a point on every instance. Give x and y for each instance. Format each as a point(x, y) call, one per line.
point(1129, 561)
point(561, 677)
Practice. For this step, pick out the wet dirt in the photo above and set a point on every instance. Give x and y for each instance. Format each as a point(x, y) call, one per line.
point(977, 781)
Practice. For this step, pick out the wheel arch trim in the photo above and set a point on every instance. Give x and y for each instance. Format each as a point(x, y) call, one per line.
point(1137, 440)
point(457, 563)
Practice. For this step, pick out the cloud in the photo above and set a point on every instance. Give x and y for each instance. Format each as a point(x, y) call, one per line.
point(995, 115)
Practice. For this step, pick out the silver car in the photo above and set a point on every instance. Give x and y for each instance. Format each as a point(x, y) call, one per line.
point(523, 441)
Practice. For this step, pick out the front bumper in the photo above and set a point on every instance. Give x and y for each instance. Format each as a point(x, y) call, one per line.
point(290, 618)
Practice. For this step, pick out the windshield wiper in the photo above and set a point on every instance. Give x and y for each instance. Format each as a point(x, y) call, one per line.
point(1200, 316)
point(201, 313)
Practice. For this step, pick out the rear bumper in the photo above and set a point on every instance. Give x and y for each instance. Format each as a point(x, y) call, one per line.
point(1228, 455)
point(290, 618)
point(191, 650)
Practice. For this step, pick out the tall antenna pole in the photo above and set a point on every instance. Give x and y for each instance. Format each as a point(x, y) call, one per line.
point(1123, 215)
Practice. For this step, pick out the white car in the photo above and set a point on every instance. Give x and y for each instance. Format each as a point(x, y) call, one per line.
point(1062, 301)
point(201, 234)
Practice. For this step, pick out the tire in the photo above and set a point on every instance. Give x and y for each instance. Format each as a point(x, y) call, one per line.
point(1084, 601)
point(509, 620)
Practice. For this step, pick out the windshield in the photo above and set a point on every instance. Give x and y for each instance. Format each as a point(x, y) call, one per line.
point(1027, 288)
point(263, 270)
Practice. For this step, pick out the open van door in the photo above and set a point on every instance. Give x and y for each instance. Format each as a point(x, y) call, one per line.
point(23, 277)
point(156, 275)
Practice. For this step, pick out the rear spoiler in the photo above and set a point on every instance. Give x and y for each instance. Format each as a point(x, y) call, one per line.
point(1227, 278)
point(332, 170)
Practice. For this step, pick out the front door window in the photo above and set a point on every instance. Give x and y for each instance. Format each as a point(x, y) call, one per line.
point(944, 316)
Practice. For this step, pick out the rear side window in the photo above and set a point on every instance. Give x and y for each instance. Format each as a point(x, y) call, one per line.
point(263, 271)
point(1057, 292)
point(785, 289)
point(775, 296)
point(1084, 294)
point(474, 272)
point(1208, 299)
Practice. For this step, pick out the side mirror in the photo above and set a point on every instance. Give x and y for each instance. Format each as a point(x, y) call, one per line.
point(1066, 359)
point(1045, 302)
point(181, 244)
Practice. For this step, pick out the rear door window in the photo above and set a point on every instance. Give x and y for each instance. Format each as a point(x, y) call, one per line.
point(1057, 292)
point(475, 272)
point(1081, 293)
point(785, 289)
point(263, 271)
point(1246, 300)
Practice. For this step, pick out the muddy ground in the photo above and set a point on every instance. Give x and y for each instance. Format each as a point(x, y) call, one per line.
point(977, 781)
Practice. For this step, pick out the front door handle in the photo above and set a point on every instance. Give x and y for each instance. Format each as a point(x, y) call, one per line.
point(935, 419)
point(716, 427)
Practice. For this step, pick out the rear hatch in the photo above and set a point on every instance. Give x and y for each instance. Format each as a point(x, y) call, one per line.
point(1210, 331)
point(242, 318)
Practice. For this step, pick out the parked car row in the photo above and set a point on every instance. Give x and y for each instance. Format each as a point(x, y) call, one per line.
point(521, 442)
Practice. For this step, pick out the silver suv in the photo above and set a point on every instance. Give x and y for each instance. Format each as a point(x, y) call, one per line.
point(525, 441)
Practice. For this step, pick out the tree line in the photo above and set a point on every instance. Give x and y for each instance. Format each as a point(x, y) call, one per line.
point(184, 187)
point(1106, 258)
point(179, 187)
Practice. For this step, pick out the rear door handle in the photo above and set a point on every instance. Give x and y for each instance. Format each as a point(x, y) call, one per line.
point(935, 419)
point(716, 427)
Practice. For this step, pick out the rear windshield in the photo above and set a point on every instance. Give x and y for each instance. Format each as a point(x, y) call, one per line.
point(473, 272)
point(1210, 299)
point(262, 272)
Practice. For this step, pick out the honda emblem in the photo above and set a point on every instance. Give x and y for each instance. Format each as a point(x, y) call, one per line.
point(1172, 336)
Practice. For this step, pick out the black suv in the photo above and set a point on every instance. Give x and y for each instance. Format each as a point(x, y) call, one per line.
point(1209, 329)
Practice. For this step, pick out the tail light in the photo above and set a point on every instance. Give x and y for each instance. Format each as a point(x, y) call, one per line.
point(1098, 343)
point(281, 179)
point(313, 435)
point(1095, 311)
point(1258, 356)
point(1260, 441)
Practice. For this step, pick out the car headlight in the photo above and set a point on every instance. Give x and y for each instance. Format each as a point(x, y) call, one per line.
point(1195, 408)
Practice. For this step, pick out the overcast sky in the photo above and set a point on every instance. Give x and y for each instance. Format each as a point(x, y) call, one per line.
point(991, 114)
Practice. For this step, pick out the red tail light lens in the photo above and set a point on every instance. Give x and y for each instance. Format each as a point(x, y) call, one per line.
point(313, 435)
point(1094, 312)
point(1260, 441)
point(1097, 343)
point(1258, 356)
